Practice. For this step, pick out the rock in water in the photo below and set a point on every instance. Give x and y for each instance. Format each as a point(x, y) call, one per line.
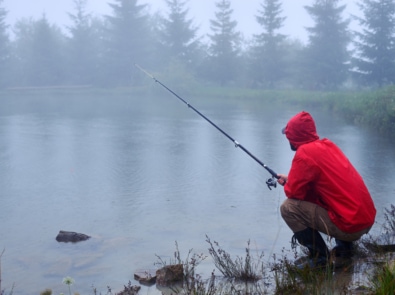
point(169, 275)
point(69, 236)
point(145, 277)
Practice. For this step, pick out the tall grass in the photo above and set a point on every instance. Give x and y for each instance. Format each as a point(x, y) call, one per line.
point(383, 280)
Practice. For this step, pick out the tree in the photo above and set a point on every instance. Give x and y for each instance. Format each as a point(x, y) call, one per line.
point(39, 53)
point(375, 44)
point(268, 66)
point(4, 48)
point(128, 41)
point(225, 42)
point(327, 54)
point(82, 46)
point(178, 35)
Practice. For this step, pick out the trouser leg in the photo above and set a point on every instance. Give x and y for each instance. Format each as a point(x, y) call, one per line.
point(300, 215)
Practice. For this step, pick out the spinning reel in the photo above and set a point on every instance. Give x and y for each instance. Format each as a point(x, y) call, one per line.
point(271, 182)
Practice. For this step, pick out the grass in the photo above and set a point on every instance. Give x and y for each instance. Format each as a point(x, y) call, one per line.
point(245, 268)
point(383, 280)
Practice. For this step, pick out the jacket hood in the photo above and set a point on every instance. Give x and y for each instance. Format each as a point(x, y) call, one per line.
point(301, 129)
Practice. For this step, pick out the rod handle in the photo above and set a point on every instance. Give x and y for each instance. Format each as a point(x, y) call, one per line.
point(271, 171)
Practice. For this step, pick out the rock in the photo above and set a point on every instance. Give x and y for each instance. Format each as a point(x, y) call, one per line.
point(69, 236)
point(130, 290)
point(145, 277)
point(169, 275)
point(383, 243)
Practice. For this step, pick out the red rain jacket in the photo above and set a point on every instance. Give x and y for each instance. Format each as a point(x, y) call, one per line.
point(322, 174)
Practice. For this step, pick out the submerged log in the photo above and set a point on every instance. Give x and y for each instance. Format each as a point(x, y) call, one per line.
point(69, 236)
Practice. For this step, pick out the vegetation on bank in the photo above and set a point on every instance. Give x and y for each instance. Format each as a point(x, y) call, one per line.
point(369, 108)
point(373, 108)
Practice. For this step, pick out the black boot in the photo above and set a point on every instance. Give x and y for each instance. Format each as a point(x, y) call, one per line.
point(319, 254)
point(343, 249)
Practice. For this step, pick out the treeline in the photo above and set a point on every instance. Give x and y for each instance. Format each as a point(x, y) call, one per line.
point(102, 50)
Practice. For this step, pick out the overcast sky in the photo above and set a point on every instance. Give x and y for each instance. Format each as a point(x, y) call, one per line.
point(201, 11)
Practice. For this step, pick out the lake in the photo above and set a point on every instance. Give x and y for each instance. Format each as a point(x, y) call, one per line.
point(140, 174)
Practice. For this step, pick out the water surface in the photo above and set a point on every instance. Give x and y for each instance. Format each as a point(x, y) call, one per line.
point(140, 174)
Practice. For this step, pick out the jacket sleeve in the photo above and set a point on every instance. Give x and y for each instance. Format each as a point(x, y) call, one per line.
point(301, 178)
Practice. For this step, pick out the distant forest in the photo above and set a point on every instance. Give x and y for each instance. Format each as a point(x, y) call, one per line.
point(101, 51)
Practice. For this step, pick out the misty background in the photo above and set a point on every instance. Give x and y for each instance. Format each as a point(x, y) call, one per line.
point(269, 44)
point(201, 11)
point(89, 143)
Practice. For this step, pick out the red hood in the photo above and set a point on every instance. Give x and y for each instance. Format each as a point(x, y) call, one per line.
point(301, 129)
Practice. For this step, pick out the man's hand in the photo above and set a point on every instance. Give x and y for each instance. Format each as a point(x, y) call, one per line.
point(282, 180)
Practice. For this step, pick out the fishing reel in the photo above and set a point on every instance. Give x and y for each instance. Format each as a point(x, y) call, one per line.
point(271, 182)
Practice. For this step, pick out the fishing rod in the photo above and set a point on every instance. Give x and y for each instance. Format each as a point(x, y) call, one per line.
point(271, 182)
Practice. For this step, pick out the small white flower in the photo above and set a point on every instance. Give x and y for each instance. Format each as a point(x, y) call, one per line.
point(68, 281)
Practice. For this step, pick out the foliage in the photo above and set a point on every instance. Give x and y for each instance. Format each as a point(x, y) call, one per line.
point(245, 269)
point(292, 280)
point(40, 55)
point(82, 46)
point(370, 108)
point(326, 54)
point(5, 49)
point(389, 217)
point(178, 34)
point(223, 60)
point(128, 40)
point(102, 50)
point(375, 44)
point(192, 283)
point(383, 280)
point(267, 61)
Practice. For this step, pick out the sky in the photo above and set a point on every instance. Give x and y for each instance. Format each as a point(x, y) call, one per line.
point(200, 11)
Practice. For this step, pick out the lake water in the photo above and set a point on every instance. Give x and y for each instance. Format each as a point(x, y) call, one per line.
point(140, 174)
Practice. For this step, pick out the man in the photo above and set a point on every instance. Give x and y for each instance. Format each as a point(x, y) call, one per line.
point(325, 193)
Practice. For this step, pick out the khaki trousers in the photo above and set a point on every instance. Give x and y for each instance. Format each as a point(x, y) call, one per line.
point(299, 215)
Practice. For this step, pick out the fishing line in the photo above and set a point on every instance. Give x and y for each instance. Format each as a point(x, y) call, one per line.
point(271, 182)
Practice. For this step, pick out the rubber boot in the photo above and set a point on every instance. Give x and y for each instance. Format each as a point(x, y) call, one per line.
point(313, 241)
point(343, 249)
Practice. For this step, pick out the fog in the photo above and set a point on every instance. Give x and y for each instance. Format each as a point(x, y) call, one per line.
point(201, 11)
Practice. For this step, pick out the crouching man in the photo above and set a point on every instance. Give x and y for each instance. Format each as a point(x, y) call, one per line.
point(325, 194)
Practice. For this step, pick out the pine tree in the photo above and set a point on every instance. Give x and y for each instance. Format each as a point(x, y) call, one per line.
point(178, 35)
point(375, 44)
point(82, 49)
point(225, 42)
point(268, 66)
point(327, 54)
point(128, 42)
point(39, 49)
point(4, 48)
